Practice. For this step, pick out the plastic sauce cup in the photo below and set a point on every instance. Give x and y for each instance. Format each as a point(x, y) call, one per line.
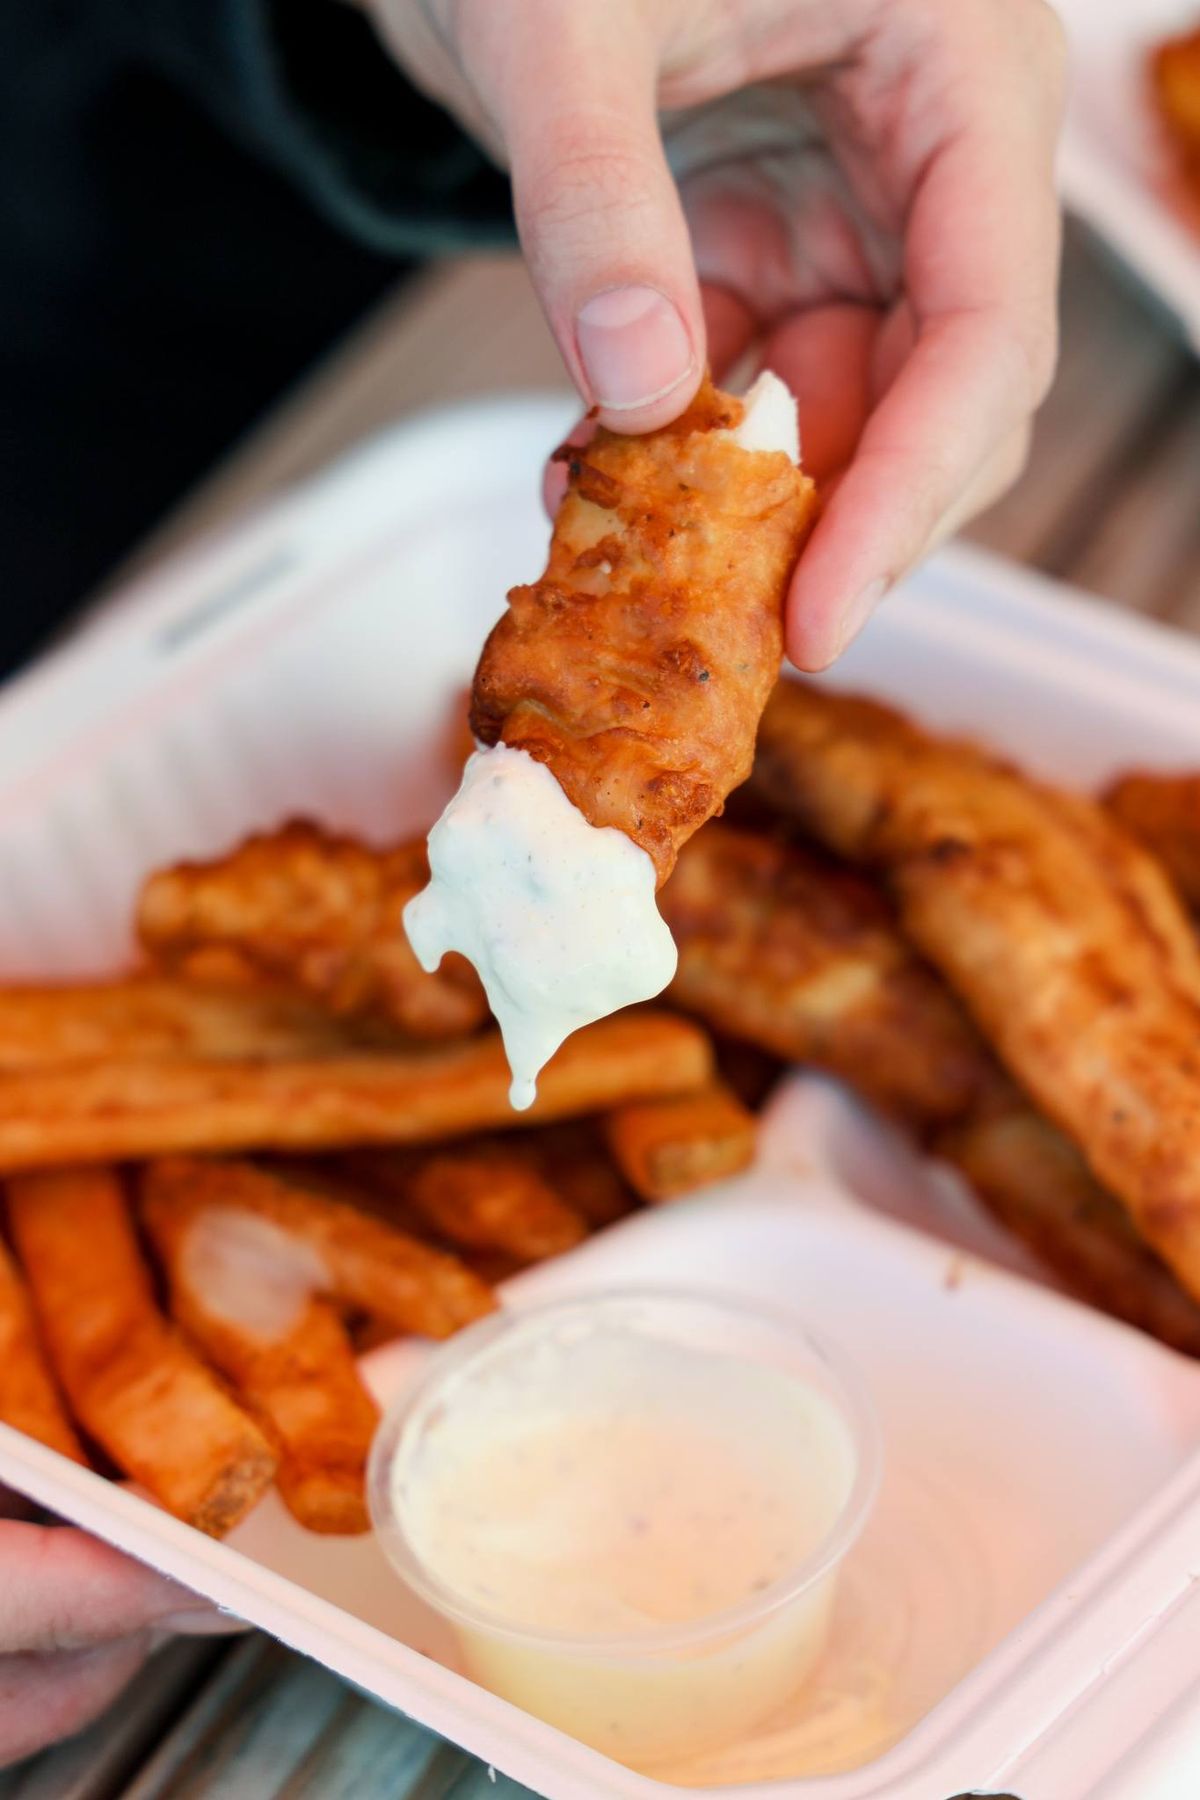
point(632, 1508)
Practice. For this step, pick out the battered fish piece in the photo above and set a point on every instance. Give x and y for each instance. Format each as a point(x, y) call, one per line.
point(1163, 813)
point(638, 666)
point(1061, 936)
point(1175, 74)
point(779, 946)
point(1034, 1180)
point(320, 911)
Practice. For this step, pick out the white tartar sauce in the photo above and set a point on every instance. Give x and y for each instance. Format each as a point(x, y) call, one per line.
point(558, 917)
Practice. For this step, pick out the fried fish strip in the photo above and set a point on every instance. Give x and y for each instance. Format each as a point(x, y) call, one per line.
point(1037, 1184)
point(129, 1378)
point(1163, 813)
point(354, 1256)
point(779, 946)
point(113, 1111)
point(147, 1016)
point(482, 1196)
point(29, 1399)
point(668, 1148)
point(242, 1296)
point(637, 667)
point(1175, 75)
point(324, 912)
point(1061, 936)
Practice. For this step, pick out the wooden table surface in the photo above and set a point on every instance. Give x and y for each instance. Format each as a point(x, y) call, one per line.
point(1111, 501)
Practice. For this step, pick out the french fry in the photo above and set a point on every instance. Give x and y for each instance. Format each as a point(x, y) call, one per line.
point(575, 1161)
point(482, 1196)
point(781, 947)
point(29, 1400)
point(1163, 813)
point(241, 1294)
point(1037, 1184)
point(304, 905)
point(667, 1148)
point(114, 1111)
point(128, 1376)
point(353, 1255)
point(150, 1017)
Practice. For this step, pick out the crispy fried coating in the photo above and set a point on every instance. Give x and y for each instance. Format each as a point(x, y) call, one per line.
point(1163, 813)
point(151, 1017)
point(29, 1399)
point(367, 1263)
point(480, 1196)
point(1037, 1184)
point(129, 1378)
point(668, 1148)
point(283, 1349)
point(304, 905)
point(118, 1110)
point(637, 667)
point(780, 946)
point(1175, 76)
point(1060, 935)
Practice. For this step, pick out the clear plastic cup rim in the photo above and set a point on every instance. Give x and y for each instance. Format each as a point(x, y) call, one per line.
point(472, 1346)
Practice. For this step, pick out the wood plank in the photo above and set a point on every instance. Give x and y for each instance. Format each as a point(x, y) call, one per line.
point(97, 1763)
point(1117, 377)
point(247, 1730)
point(1145, 549)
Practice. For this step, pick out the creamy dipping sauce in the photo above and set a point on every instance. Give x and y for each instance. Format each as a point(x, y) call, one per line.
point(558, 917)
point(631, 1517)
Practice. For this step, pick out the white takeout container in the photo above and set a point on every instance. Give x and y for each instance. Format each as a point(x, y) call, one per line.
point(1115, 164)
point(1037, 1534)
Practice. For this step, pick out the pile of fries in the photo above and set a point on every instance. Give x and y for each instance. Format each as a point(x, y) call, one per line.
point(281, 1142)
point(1175, 79)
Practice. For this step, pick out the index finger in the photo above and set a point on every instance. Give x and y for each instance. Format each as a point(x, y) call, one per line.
point(981, 261)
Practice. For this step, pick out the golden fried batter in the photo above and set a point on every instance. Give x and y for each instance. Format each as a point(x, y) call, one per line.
point(1062, 937)
point(779, 946)
point(1163, 813)
point(638, 666)
point(1175, 73)
point(321, 911)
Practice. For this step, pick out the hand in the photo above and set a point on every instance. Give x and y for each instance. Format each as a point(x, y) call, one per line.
point(878, 224)
point(77, 1621)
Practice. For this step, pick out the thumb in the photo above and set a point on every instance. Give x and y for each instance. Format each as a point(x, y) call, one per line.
point(597, 209)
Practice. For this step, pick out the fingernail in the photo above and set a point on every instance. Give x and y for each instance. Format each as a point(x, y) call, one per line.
point(202, 1621)
point(856, 614)
point(634, 347)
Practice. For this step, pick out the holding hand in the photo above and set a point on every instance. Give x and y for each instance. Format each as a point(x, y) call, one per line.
point(861, 190)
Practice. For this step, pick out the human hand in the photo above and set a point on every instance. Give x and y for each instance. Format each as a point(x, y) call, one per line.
point(864, 196)
point(77, 1621)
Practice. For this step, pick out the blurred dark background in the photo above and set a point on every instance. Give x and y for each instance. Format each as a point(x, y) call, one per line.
point(197, 198)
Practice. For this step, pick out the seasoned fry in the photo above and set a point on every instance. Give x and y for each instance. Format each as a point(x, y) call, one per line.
point(244, 1297)
point(112, 1111)
point(350, 1254)
point(779, 946)
point(1037, 1184)
point(157, 1016)
point(128, 1377)
point(666, 1148)
point(1163, 813)
point(29, 1400)
point(637, 667)
point(575, 1161)
point(484, 1196)
point(1175, 74)
point(324, 912)
point(1061, 936)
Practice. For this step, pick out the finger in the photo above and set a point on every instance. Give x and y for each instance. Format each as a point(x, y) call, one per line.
point(63, 1590)
point(981, 263)
point(827, 356)
point(597, 210)
point(46, 1698)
